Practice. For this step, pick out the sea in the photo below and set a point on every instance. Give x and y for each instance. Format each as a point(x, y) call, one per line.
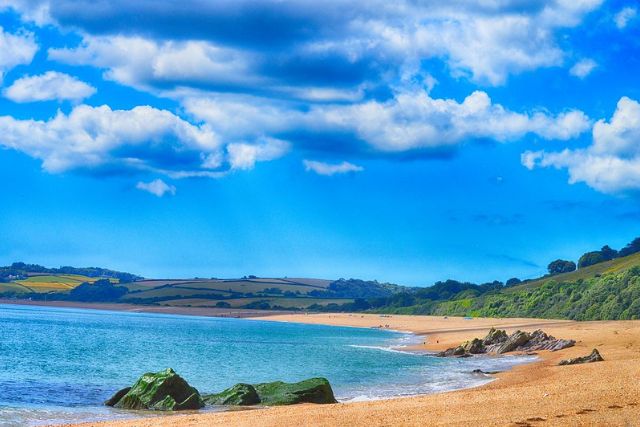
point(58, 365)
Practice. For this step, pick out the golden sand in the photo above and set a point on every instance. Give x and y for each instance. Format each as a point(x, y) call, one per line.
point(538, 394)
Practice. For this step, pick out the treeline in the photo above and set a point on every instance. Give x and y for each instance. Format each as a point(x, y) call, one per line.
point(20, 270)
point(606, 253)
point(612, 296)
point(356, 288)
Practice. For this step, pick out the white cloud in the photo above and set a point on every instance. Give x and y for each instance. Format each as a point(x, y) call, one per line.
point(245, 156)
point(623, 17)
point(485, 41)
point(141, 63)
point(330, 169)
point(156, 187)
point(36, 11)
point(51, 85)
point(98, 137)
point(408, 121)
point(583, 68)
point(611, 164)
point(16, 49)
point(416, 120)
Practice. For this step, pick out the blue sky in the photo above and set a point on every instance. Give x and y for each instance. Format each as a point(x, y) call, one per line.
point(407, 142)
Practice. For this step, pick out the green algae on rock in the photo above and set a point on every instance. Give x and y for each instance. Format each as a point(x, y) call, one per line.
point(160, 391)
point(314, 390)
point(238, 395)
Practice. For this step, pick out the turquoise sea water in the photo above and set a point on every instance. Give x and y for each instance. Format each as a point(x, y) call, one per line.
point(59, 365)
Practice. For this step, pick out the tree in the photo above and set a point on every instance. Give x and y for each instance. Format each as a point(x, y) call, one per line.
point(608, 253)
point(513, 281)
point(631, 248)
point(102, 290)
point(596, 257)
point(561, 266)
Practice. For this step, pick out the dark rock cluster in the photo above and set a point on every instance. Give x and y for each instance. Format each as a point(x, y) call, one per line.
point(593, 357)
point(498, 341)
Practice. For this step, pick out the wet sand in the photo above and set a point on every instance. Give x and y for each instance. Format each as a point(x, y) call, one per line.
point(538, 394)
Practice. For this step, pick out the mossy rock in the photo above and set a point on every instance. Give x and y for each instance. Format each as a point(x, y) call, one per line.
point(117, 396)
point(161, 391)
point(238, 395)
point(314, 390)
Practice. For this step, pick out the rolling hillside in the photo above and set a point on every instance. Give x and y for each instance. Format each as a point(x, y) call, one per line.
point(36, 282)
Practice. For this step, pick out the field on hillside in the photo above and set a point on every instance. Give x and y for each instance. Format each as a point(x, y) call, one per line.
point(289, 293)
point(282, 292)
point(57, 283)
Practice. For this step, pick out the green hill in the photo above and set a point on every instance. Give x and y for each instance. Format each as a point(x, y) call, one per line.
point(606, 291)
point(612, 266)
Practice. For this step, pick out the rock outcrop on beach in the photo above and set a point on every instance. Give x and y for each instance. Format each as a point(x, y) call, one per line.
point(498, 341)
point(593, 357)
point(160, 391)
point(314, 390)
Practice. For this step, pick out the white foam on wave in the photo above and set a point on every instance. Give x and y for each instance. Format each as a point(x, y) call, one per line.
point(389, 349)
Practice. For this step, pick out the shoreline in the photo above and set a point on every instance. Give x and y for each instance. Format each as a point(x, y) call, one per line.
point(604, 393)
point(235, 313)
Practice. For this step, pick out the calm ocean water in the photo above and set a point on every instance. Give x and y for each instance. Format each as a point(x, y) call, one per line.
point(59, 365)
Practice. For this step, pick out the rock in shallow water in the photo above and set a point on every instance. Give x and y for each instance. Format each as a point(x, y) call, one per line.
point(593, 357)
point(238, 395)
point(314, 390)
point(161, 391)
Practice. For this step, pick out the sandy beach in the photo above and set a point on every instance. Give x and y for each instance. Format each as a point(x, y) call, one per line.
point(541, 393)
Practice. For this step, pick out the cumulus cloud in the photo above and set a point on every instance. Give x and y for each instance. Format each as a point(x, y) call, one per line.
point(143, 138)
point(611, 164)
point(143, 63)
point(410, 120)
point(329, 169)
point(16, 49)
point(583, 68)
point(245, 156)
point(51, 85)
point(625, 15)
point(157, 187)
point(305, 49)
point(415, 120)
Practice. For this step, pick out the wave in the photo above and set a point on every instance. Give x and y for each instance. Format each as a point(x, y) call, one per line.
point(388, 348)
